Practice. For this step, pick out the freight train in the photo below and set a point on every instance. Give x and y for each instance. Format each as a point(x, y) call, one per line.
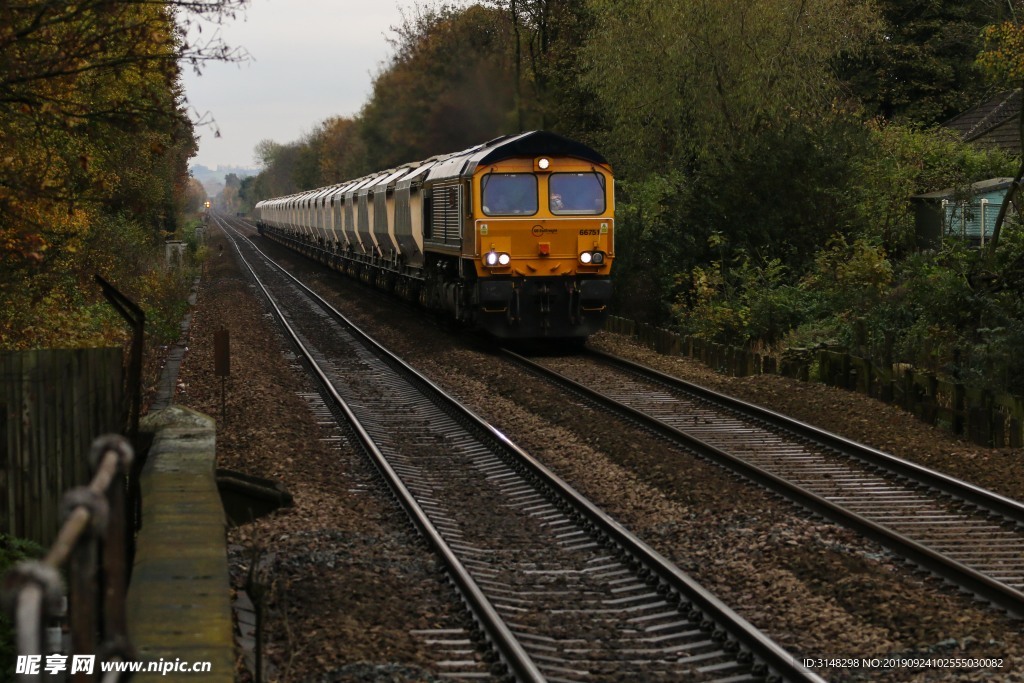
point(515, 236)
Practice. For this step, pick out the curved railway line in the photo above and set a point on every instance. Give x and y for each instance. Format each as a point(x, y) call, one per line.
point(969, 536)
point(560, 590)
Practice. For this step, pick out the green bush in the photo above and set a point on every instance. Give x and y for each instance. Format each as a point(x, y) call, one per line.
point(751, 301)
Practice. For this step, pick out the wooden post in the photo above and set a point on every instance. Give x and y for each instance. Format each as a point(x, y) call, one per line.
point(222, 364)
point(959, 408)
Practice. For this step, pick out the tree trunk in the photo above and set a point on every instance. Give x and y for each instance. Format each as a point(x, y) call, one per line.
point(1011, 194)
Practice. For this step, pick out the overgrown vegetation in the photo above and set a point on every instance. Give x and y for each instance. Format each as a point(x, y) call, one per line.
point(94, 144)
point(765, 154)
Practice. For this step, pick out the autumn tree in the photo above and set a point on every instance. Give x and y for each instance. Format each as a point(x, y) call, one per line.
point(451, 83)
point(448, 86)
point(686, 79)
point(195, 197)
point(546, 39)
point(1001, 59)
point(228, 199)
point(723, 119)
point(78, 76)
point(94, 141)
point(278, 176)
point(920, 67)
point(249, 192)
point(343, 152)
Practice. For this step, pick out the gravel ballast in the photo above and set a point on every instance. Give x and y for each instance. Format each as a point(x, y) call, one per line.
point(344, 580)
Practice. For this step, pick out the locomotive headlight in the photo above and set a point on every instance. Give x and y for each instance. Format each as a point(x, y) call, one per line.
point(544, 164)
point(586, 257)
point(494, 258)
point(598, 258)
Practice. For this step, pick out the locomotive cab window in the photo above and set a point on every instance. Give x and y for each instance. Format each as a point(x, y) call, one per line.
point(576, 193)
point(509, 194)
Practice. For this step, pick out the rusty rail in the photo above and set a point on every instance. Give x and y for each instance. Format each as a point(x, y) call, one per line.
point(93, 543)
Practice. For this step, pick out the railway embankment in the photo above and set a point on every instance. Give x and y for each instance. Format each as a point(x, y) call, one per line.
point(340, 568)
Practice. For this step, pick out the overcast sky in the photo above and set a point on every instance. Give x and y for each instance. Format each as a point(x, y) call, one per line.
point(311, 59)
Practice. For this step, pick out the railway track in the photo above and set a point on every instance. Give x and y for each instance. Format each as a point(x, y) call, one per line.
point(965, 534)
point(560, 591)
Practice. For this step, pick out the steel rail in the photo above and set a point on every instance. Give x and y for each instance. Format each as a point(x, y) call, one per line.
point(776, 661)
point(1006, 507)
point(978, 583)
point(508, 647)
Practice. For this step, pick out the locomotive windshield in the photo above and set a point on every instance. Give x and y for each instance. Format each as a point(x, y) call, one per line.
point(576, 193)
point(509, 194)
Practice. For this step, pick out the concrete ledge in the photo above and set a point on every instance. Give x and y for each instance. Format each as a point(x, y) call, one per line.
point(179, 602)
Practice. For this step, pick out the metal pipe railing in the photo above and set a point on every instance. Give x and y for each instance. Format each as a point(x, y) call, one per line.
point(93, 545)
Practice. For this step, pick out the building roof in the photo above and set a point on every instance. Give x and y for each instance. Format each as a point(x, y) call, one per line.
point(992, 124)
point(982, 187)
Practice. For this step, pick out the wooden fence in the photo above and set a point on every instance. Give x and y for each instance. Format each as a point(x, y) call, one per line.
point(984, 417)
point(53, 403)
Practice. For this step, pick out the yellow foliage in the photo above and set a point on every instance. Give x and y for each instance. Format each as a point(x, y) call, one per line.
point(1002, 57)
point(93, 147)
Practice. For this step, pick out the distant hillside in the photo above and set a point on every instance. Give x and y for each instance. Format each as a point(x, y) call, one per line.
point(213, 179)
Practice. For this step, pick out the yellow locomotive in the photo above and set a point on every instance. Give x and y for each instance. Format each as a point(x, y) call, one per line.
point(515, 236)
